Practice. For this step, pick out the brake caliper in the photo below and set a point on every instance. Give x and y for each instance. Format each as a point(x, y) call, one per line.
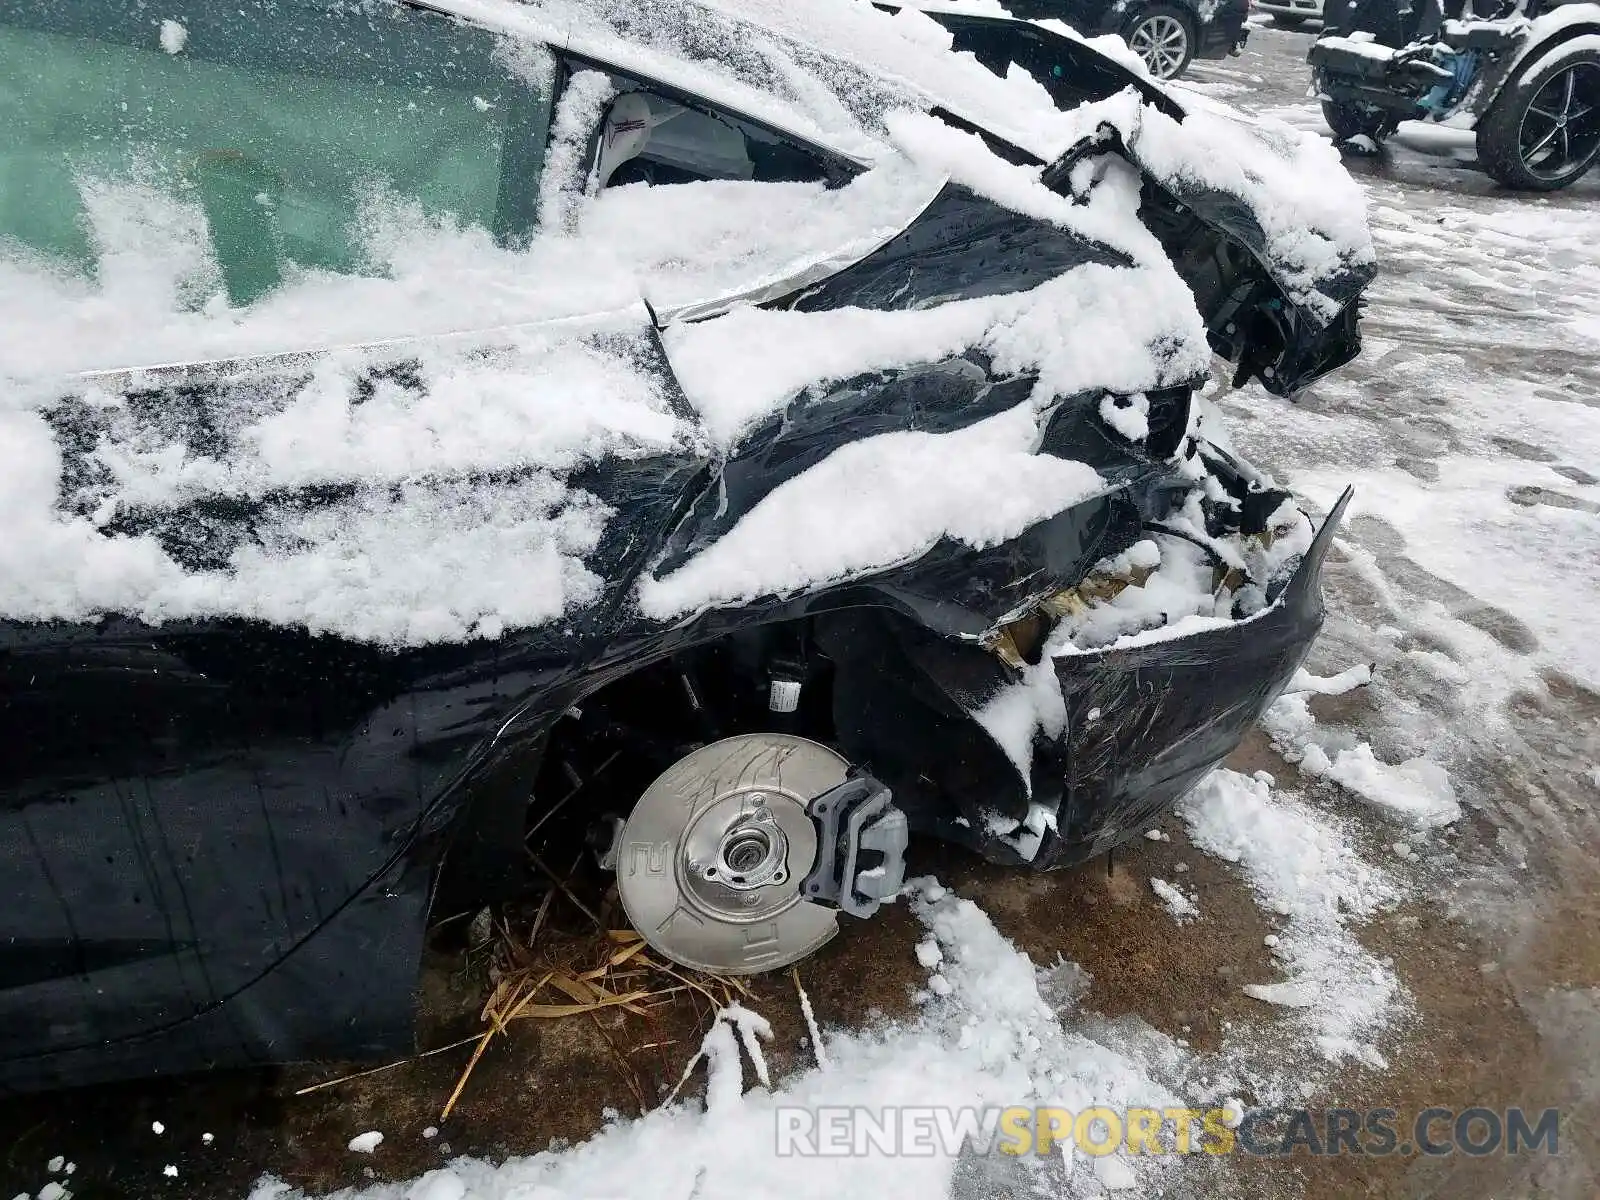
point(861, 847)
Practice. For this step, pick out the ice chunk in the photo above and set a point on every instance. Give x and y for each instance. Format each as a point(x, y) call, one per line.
point(1182, 908)
point(1330, 685)
point(1416, 791)
point(365, 1143)
point(1289, 994)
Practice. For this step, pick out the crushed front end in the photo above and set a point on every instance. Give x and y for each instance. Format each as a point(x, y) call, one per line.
point(1066, 729)
point(1188, 593)
point(1385, 64)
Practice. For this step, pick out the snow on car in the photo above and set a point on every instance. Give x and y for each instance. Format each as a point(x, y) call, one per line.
point(408, 401)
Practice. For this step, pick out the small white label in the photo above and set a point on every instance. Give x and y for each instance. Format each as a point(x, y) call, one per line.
point(784, 696)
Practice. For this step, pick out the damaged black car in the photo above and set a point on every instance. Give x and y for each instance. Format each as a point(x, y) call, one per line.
point(1523, 75)
point(429, 423)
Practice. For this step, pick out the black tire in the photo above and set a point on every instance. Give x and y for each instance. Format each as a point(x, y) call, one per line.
point(1529, 138)
point(1352, 120)
point(1164, 36)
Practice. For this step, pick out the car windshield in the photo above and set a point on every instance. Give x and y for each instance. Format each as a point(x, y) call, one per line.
point(256, 140)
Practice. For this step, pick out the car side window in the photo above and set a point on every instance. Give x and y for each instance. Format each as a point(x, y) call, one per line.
point(646, 137)
point(246, 144)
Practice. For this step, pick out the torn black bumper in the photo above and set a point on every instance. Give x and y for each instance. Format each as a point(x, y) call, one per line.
point(1143, 722)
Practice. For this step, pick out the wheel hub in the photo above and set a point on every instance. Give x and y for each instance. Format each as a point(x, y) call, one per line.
point(710, 861)
point(1162, 42)
point(753, 851)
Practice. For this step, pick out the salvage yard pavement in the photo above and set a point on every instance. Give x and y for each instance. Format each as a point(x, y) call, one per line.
point(1390, 900)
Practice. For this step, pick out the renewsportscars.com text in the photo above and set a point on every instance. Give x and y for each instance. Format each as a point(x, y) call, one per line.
point(1262, 1132)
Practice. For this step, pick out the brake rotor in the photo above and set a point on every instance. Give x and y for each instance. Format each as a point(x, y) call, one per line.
point(711, 859)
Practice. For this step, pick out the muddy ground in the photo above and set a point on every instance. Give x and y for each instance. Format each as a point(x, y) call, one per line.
point(1505, 1003)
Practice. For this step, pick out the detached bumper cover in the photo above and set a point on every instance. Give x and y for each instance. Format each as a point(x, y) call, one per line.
point(1145, 723)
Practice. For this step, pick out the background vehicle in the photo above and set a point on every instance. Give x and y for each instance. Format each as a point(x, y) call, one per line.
point(1167, 34)
point(1291, 12)
point(1524, 74)
point(360, 516)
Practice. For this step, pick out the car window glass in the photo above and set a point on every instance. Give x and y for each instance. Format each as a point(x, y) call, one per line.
point(648, 138)
point(255, 141)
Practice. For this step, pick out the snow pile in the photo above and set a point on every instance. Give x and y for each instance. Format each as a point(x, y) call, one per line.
point(1330, 685)
point(877, 502)
point(1312, 212)
point(156, 297)
point(1167, 585)
point(1359, 45)
point(1016, 715)
point(1417, 791)
point(174, 37)
point(1304, 868)
point(703, 247)
point(1128, 415)
point(991, 1040)
point(1168, 582)
point(558, 397)
point(565, 177)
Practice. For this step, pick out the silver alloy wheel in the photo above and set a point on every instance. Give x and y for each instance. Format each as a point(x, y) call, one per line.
point(710, 861)
point(1162, 42)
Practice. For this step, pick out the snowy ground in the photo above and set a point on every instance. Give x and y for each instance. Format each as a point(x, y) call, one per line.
point(1453, 800)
